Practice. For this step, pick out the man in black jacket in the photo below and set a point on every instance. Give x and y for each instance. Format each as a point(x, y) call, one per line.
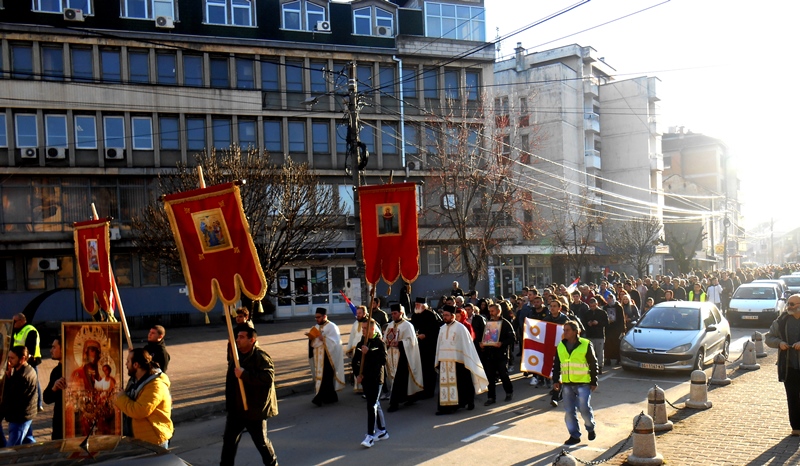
point(19, 404)
point(156, 346)
point(784, 334)
point(495, 354)
point(54, 392)
point(373, 351)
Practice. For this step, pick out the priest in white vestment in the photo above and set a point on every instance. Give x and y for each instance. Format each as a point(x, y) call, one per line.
point(403, 363)
point(461, 374)
point(328, 360)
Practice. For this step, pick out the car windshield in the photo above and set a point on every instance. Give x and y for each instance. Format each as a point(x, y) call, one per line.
point(761, 292)
point(671, 318)
point(792, 280)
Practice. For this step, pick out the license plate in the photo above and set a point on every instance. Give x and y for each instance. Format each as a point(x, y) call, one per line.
point(647, 365)
point(750, 317)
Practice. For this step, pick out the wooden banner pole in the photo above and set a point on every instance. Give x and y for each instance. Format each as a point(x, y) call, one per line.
point(234, 351)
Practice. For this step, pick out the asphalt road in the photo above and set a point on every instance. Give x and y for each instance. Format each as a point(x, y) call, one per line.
point(525, 431)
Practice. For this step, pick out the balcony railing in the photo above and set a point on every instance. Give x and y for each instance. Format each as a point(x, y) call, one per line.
point(592, 159)
point(591, 122)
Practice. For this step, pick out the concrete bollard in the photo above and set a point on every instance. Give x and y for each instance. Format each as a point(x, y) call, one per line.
point(758, 338)
point(565, 459)
point(749, 357)
point(644, 443)
point(698, 392)
point(719, 376)
point(657, 409)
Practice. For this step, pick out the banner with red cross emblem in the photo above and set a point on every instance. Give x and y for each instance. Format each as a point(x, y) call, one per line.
point(92, 247)
point(539, 346)
point(217, 252)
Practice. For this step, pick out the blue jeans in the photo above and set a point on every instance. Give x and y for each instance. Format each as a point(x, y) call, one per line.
point(577, 398)
point(20, 433)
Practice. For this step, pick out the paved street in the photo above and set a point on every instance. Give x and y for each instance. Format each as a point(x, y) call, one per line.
point(524, 431)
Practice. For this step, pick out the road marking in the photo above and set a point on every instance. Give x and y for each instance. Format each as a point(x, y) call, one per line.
point(542, 442)
point(480, 434)
point(655, 381)
point(330, 460)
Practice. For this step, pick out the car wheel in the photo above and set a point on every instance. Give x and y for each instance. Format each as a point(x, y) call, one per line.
point(726, 347)
point(699, 362)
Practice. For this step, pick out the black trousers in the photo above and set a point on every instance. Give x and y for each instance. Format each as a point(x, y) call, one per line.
point(792, 386)
point(400, 382)
point(327, 389)
point(372, 391)
point(497, 368)
point(234, 426)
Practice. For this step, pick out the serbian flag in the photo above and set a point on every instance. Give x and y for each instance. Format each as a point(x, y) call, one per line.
point(574, 285)
point(539, 346)
point(389, 232)
point(217, 252)
point(92, 247)
point(349, 303)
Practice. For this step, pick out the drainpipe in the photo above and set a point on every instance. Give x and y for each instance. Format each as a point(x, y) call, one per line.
point(402, 114)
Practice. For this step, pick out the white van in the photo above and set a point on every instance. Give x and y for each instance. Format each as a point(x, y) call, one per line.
point(756, 302)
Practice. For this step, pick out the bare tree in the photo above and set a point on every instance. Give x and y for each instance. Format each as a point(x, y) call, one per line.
point(477, 195)
point(290, 213)
point(684, 240)
point(634, 242)
point(574, 234)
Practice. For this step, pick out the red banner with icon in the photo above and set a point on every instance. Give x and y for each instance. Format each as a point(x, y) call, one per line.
point(389, 232)
point(218, 256)
point(92, 247)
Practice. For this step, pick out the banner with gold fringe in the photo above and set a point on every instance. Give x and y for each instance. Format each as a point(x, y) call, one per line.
point(92, 246)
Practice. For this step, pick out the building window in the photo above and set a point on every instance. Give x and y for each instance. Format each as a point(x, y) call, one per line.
point(193, 70)
point(387, 80)
point(302, 15)
point(524, 149)
point(319, 82)
point(321, 137)
point(245, 76)
point(57, 6)
point(434, 260)
point(341, 138)
point(114, 131)
point(53, 63)
point(55, 130)
point(294, 76)
point(82, 65)
point(34, 279)
point(219, 73)
point(26, 131)
point(367, 136)
point(364, 76)
point(122, 269)
point(455, 21)
point(7, 279)
point(273, 136)
point(430, 81)
point(412, 138)
point(409, 84)
point(166, 68)
point(21, 61)
point(230, 12)
point(169, 133)
point(270, 76)
point(346, 199)
point(473, 82)
point(110, 66)
point(454, 260)
point(373, 21)
point(247, 134)
point(297, 136)
point(449, 201)
point(221, 133)
point(3, 131)
point(148, 9)
point(362, 21)
point(451, 84)
point(139, 66)
point(142, 129)
point(85, 132)
point(389, 138)
point(196, 133)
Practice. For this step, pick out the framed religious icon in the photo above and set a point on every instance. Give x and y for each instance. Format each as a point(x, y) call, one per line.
point(6, 330)
point(94, 368)
point(491, 334)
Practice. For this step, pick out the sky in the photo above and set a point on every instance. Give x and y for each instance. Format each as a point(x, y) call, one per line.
point(726, 71)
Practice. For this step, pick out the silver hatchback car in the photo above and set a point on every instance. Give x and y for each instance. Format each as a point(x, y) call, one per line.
point(676, 335)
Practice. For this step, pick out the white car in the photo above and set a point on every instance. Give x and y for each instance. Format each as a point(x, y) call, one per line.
point(756, 302)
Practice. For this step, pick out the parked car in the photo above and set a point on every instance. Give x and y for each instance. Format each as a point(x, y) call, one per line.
point(676, 335)
point(782, 285)
point(793, 282)
point(97, 449)
point(756, 302)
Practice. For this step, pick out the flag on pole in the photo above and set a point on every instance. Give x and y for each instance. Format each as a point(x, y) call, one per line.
point(218, 256)
point(349, 303)
point(389, 232)
point(539, 346)
point(92, 247)
point(574, 285)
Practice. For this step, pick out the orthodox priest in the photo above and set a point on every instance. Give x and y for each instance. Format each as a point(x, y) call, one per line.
point(353, 349)
point(402, 362)
point(461, 374)
point(328, 359)
point(426, 323)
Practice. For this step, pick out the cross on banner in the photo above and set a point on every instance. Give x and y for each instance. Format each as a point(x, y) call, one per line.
point(539, 346)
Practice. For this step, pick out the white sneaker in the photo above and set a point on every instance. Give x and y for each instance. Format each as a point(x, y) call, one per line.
point(381, 435)
point(368, 442)
point(534, 382)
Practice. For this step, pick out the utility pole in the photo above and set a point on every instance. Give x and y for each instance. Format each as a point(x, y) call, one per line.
point(353, 148)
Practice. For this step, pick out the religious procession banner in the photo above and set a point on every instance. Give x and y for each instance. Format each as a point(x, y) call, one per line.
point(389, 232)
point(217, 252)
point(93, 368)
point(539, 346)
point(92, 248)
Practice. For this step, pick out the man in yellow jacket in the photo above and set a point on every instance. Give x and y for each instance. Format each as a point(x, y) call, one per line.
point(575, 373)
point(146, 401)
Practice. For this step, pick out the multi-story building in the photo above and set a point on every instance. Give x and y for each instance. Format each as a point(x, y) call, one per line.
point(100, 97)
point(595, 149)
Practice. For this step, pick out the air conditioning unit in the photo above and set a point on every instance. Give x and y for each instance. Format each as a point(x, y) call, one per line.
point(56, 153)
point(323, 26)
point(115, 153)
point(350, 220)
point(383, 31)
point(29, 152)
point(73, 14)
point(414, 165)
point(47, 264)
point(165, 22)
point(113, 233)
